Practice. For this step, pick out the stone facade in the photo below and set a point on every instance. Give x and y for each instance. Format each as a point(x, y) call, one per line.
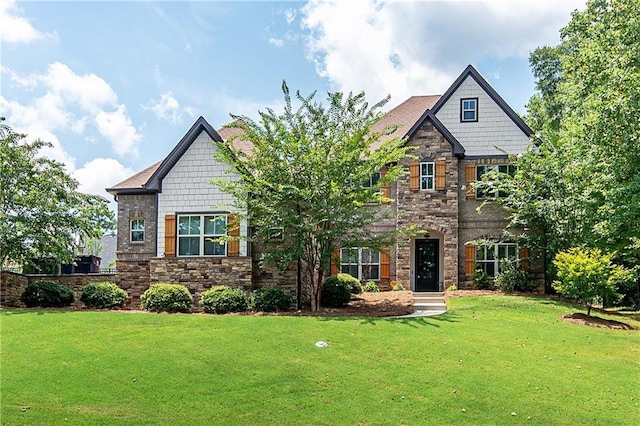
point(133, 277)
point(435, 212)
point(140, 206)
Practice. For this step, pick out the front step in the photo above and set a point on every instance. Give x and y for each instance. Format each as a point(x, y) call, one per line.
point(431, 301)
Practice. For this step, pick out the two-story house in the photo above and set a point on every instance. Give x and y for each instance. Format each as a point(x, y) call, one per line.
point(166, 213)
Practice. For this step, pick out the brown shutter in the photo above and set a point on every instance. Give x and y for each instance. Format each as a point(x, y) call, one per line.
point(170, 235)
point(524, 258)
point(233, 230)
point(386, 190)
point(335, 262)
point(469, 259)
point(414, 176)
point(440, 175)
point(470, 177)
point(385, 267)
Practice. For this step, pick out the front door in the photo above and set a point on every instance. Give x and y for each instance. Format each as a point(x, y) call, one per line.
point(427, 265)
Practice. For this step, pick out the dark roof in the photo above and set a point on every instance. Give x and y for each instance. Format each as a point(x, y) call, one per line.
point(470, 71)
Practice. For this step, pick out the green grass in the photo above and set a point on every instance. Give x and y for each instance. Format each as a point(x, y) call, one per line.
point(487, 358)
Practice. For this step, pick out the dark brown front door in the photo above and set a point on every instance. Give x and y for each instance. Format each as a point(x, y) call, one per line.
point(427, 265)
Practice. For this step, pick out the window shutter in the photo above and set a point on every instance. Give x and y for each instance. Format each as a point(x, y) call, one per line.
point(233, 230)
point(441, 175)
point(470, 177)
point(386, 190)
point(524, 258)
point(414, 176)
point(469, 259)
point(170, 235)
point(385, 267)
point(335, 262)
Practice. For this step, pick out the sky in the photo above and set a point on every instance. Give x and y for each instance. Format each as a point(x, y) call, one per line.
point(114, 86)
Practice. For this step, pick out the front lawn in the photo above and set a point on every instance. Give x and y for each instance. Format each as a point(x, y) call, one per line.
point(495, 360)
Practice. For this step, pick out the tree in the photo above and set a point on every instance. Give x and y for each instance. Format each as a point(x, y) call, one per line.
point(588, 276)
point(580, 185)
point(309, 176)
point(41, 212)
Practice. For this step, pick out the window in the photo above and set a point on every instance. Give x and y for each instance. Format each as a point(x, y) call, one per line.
point(427, 175)
point(488, 256)
point(137, 230)
point(372, 181)
point(469, 109)
point(502, 168)
point(361, 263)
point(276, 234)
point(195, 234)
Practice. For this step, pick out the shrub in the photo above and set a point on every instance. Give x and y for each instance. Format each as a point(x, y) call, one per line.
point(47, 294)
point(354, 285)
point(103, 295)
point(511, 277)
point(588, 276)
point(480, 279)
point(371, 287)
point(166, 298)
point(452, 287)
point(336, 292)
point(270, 300)
point(222, 299)
point(396, 286)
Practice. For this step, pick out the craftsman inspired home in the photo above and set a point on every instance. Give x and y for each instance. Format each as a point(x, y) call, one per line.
point(168, 213)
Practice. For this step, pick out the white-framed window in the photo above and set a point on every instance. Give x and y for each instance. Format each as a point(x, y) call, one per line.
point(361, 263)
point(372, 180)
point(469, 109)
point(488, 256)
point(276, 234)
point(427, 175)
point(481, 170)
point(136, 229)
point(196, 232)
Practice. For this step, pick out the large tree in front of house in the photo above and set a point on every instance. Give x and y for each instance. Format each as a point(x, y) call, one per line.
point(42, 213)
point(315, 173)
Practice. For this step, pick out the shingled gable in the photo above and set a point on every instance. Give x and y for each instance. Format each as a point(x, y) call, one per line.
point(470, 71)
point(150, 179)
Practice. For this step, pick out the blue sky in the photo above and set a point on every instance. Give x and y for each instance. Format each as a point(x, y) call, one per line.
point(115, 85)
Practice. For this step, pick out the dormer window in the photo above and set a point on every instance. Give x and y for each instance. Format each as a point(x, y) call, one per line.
point(469, 110)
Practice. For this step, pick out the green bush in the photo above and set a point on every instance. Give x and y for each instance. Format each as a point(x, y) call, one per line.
point(354, 284)
point(103, 295)
point(396, 286)
point(47, 294)
point(270, 300)
point(336, 292)
point(480, 279)
point(222, 299)
point(511, 277)
point(166, 298)
point(371, 287)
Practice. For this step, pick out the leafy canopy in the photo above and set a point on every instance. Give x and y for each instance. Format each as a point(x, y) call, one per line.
point(308, 173)
point(41, 211)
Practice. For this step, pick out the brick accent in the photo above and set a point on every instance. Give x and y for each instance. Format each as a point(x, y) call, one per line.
point(136, 207)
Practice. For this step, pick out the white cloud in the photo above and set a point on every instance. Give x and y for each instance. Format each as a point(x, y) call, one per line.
point(15, 28)
point(290, 15)
point(101, 173)
point(408, 48)
point(116, 126)
point(277, 42)
point(70, 102)
point(168, 108)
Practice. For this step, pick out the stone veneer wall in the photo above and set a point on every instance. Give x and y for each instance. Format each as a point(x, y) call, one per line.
point(270, 276)
point(133, 277)
point(201, 273)
point(12, 285)
point(430, 210)
point(142, 206)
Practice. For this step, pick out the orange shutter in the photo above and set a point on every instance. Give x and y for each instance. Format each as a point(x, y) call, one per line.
point(469, 259)
point(524, 258)
point(335, 262)
point(414, 176)
point(233, 230)
point(440, 175)
point(470, 177)
point(170, 235)
point(386, 190)
point(385, 267)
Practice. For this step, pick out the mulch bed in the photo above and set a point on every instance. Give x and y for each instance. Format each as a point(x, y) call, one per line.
point(583, 319)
